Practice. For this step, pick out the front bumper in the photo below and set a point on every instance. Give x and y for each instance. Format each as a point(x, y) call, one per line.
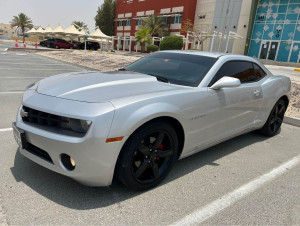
point(95, 159)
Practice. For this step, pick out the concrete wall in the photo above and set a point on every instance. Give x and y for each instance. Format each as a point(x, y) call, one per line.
point(223, 16)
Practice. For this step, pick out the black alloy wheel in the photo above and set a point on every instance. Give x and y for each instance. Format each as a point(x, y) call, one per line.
point(148, 156)
point(275, 119)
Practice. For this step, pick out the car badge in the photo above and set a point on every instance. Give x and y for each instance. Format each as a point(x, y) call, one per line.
point(23, 113)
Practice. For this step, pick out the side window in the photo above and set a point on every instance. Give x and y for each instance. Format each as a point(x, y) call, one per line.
point(237, 69)
point(259, 73)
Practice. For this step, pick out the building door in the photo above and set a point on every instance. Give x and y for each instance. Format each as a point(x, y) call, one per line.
point(264, 49)
point(273, 50)
point(295, 50)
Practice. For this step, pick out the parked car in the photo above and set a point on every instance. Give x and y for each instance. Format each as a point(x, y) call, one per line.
point(58, 43)
point(89, 45)
point(63, 44)
point(136, 122)
point(47, 43)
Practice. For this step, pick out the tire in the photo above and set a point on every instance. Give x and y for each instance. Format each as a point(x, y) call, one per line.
point(275, 119)
point(147, 156)
point(56, 47)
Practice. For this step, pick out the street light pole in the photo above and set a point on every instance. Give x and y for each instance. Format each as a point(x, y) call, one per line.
point(85, 36)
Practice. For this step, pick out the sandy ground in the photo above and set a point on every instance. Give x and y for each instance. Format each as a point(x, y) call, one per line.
point(115, 61)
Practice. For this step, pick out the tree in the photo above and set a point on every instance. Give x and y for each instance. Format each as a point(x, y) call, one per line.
point(80, 24)
point(143, 37)
point(156, 25)
point(22, 21)
point(172, 42)
point(201, 35)
point(105, 18)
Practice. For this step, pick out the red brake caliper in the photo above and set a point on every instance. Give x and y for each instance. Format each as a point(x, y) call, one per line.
point(160, 147)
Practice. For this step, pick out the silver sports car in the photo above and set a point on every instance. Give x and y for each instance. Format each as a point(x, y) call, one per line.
point(134, 123)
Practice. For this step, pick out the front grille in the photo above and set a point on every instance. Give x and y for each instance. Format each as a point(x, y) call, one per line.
point(50, 122)
point(38, 152)
point(42, 118)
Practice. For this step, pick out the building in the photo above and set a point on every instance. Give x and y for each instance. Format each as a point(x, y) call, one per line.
point(221, 17)
point(276, 31)
point(129, 15)
point(6, 31)
point(266, 29)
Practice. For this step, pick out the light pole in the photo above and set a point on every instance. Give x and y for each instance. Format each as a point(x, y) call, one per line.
point(85, 36)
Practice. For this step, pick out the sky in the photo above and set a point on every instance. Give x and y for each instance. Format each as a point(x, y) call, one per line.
point(51, 12)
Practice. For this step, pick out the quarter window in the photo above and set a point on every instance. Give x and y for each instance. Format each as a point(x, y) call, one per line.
point(259, 73)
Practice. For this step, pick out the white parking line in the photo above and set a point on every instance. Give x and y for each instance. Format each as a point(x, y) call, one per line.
point(12, 92)
point(227, 200)
point(5, 129)
point(39, 69)
point(22, 77)
point(29, 63)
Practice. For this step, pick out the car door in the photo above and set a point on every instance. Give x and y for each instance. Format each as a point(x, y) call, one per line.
point(230, 111)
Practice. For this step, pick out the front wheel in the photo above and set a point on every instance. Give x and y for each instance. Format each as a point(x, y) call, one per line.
point(148, 156)
point(275, 120)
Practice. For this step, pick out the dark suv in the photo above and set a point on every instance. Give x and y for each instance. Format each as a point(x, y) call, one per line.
point(89, 45)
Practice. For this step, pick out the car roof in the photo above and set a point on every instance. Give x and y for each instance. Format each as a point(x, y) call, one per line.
point(195, 52)
point(210, 54)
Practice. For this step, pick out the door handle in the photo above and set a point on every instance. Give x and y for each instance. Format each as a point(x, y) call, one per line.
point(257, 92)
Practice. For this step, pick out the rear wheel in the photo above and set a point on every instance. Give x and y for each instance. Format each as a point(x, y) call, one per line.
point(56, 47)
point(148, 156)
point(275, 119)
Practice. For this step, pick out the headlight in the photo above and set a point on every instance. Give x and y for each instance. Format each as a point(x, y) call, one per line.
point(77, 125)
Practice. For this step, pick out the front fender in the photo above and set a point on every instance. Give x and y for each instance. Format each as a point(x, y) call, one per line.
point(129, 118)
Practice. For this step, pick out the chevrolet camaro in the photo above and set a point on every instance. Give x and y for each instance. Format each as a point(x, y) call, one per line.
point(134, 123)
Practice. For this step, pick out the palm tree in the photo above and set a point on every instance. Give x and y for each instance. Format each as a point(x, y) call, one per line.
point(81, 24)
point(22, 21)
point(143, 37)
point(157, 26)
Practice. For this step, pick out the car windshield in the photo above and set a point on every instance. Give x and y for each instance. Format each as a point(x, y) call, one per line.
point(176, 68)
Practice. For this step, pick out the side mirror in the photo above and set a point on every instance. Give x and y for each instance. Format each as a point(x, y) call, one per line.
point(226, 82)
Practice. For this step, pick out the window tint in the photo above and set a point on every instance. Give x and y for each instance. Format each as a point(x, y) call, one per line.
point(237, 69)
point(181, 69)
point(259, 73)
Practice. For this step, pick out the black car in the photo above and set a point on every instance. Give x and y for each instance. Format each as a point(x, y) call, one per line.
point(89, 45)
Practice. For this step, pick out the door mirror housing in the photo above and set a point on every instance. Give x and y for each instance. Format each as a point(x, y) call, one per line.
point(226, 82)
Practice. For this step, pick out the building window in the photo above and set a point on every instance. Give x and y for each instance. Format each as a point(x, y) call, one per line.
point(128, 22)
point(1, 30)
point(167, 19)
point(120, 23)
point(177, 19)
point(139, 21)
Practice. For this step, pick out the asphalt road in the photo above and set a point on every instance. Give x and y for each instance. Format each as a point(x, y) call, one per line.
point(31, 194)
point(287, 71)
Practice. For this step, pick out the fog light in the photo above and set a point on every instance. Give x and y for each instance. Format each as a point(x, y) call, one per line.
point(72, 161)
point(68, 162)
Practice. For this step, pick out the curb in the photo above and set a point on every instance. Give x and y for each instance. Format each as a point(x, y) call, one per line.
point(292, 121)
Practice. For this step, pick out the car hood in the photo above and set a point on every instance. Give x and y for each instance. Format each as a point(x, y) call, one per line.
point(100, 86)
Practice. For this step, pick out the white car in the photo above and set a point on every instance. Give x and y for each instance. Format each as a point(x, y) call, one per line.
point(134, 123)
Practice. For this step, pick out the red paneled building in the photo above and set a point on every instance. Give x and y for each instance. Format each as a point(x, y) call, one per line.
point(129, 14)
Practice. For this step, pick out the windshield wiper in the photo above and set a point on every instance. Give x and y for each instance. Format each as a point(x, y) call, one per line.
point(159, 78)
